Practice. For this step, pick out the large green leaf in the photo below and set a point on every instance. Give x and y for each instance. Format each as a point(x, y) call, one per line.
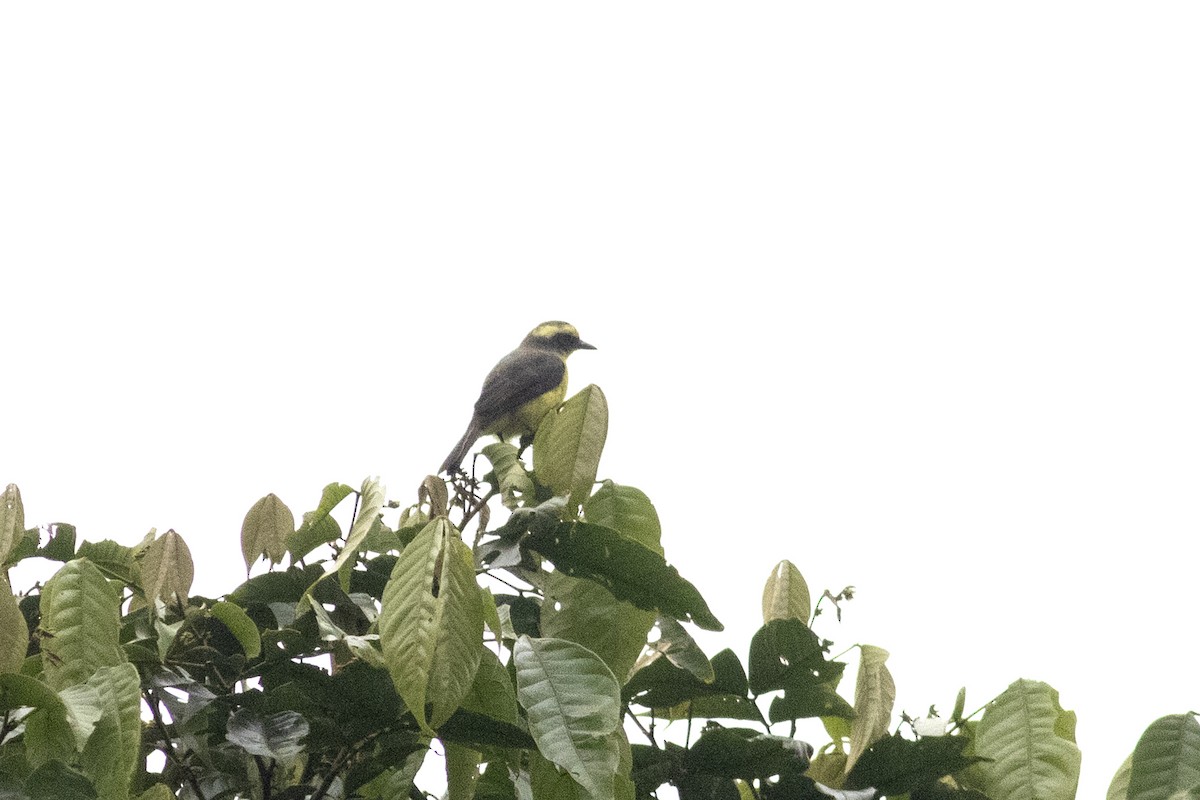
point(573, 705)
point(896, 766)
point(627, 568)
point(48, 732)
point(81, 624)
point(158, 791)
point(286, 587)
point(747, 754)
point(626, 510)
point(12, 521)
point(677, 645)
point(492, 693)
point(1166, 759)
point(111, 752)
point(61, 546)
point(240, 625)
point(266, 529)
point(785, 654)
point(85, 707)
point(317, 527)
point(676, 693)
point(512, 479)
point(279, 736)
point(1031, 743)
point(874, 695)
point(1118, 788)
point(568, 444)
point(431, 623)
point(462, 772)
point(785, 595)
point(54, 780)
point(395, 783)
point(475, 730)
point(586, 613)
point(14, 632)
point(112, 558)
point(167, 569)
point(368, 511)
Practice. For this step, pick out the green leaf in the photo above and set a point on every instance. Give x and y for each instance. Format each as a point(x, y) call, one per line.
point(480, 731)
point(628, 569)
point(495, 783)
point(61, 546)
point(492, 693)
point(312, 533)
point(785, 654)
point(786, 595)
point(54, 780)
point(626, 510)
point(681, 649)
point(12, 521)
point(462, 772)
point(586, 613)
point(896, 766)
point(278, 736)
point(113, 559)
point(48, 733)
point(395, 783)
point(573, 705)
point(746, 753)
point(828, 768)
point(14, 632)
point(85, 707)
point(240, 625)
point(547, 782)
point(668, 689)
point(874, 696)
point(268, 526)
point(27, 545)
point(111, 752)
point(1022, 732)
point(431, 623)
point(1118, 789)
point(285, 587)
point(568, 444)
point(318, 527)
point(158, 791)
point(81, 624)
point(1166, 759)
point(167, 569)
point(512, 480)
point(368, 511)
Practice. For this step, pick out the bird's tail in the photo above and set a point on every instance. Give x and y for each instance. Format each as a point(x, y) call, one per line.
point(455, 459)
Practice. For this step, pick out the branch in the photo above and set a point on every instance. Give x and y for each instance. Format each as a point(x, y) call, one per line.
point(169, 749)
point(649, 734)
point(468, 514)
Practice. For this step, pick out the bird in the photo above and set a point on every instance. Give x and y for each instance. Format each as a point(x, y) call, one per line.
point(522, 387)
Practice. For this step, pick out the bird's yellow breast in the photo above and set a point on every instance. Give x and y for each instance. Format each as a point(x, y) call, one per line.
point(527, 418)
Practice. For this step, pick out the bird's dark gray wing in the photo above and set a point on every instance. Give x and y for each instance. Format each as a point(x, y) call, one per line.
point(521, 376)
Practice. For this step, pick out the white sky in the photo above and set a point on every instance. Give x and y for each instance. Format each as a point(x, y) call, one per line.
point(906, 294)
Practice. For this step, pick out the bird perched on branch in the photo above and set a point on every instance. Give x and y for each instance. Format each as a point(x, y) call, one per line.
point(521, 388)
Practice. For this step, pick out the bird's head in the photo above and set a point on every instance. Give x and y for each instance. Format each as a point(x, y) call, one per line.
point(557, 337)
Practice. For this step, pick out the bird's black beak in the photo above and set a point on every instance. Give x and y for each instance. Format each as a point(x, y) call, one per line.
point(585, 346)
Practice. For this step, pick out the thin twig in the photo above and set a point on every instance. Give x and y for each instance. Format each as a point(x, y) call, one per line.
point(649, 734)
point(169, 749)
point(468, 514)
